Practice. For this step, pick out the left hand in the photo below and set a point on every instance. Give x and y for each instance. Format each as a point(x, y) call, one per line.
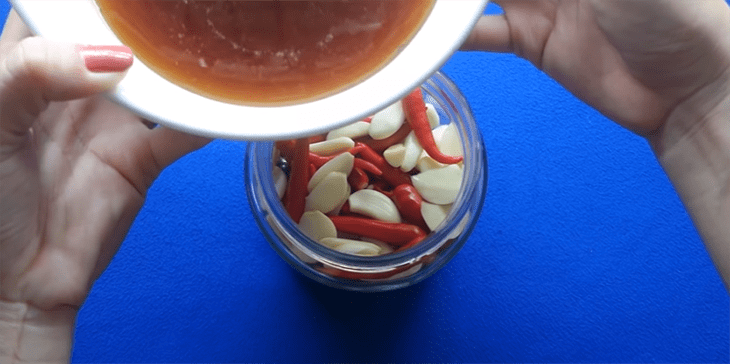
point(74, 171)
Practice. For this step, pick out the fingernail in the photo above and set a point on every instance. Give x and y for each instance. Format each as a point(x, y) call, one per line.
point(106, 58)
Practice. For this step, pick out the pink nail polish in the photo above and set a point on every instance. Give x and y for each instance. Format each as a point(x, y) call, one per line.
point(106, 58)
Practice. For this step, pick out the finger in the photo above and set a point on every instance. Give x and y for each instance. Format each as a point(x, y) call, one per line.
point(168, 145)
point(36, 72)
point(491, 34)
point(14, 31)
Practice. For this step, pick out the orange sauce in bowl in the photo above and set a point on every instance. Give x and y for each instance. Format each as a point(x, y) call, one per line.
point(267, 52)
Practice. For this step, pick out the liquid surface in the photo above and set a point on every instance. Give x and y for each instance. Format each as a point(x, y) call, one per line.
point(265, 52)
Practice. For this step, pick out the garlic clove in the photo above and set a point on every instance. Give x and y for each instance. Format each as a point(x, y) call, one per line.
point(394, 154)
point(352, 131)
point(317, 225)
point(449, 142)
point(332, 146)
point(433, 214)
point(433, 116)
point(425, 163)
point(412, 153)
point(330, 193)
point(279, 181)
point(348, 246)
point(387, 121)
point(438, 132)
point(374, 204)
point(439, 186)
point(341, 163)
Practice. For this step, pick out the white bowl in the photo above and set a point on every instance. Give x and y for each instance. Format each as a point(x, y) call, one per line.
point(163, 102)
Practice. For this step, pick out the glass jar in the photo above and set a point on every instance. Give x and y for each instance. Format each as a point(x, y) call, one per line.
point(390, 271)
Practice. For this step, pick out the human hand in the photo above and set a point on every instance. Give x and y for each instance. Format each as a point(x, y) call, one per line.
point(634, 61)
point(660, 68)
point(74, 171)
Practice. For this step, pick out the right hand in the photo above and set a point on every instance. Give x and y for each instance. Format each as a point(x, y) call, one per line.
point(634, 61)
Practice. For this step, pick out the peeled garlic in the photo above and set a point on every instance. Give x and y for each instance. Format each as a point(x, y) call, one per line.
point(450, 143)
point(412, 153)
point(387, 121)
point(349, 246)
point(341, 163)
point(394, 154)
point(329, 194)
point(433, 116)
point(352, 131)
point(439, 186)
point(374, 204)
point(433, 214)
point(317, 225)
point(279, 181)
point(425, 163)
point(332, 146)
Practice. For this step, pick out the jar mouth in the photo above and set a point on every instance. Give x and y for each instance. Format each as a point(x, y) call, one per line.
point(441, 244)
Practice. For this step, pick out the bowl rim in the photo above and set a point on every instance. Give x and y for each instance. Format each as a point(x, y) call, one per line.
point(158, 100)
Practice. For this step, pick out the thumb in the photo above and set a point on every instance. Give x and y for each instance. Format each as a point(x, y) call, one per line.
point(491, 34)
point(37, 71)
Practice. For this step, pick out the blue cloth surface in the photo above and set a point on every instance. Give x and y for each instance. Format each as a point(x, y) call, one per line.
point(583, 253)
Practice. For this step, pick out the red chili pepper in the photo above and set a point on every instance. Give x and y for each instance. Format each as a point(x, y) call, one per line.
point(396, 234)
point(317, 138)
point(369, 154)
point(392, 175)
point(296, 190)
point(413, 242)
point(358, 179)
point(331, 271)
point(357, 148)
point(415, 110)
point(367, 166)
point(383, 187)
point(319, 160)
point(368, 119)
point(312, 170)
point(345, 209)
point(408, 201)
point(380, 145)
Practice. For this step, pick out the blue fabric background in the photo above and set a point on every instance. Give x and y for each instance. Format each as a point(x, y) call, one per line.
point(583, 253)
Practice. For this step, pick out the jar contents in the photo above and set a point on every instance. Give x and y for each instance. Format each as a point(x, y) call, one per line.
point(265, 52)
point(375, 186)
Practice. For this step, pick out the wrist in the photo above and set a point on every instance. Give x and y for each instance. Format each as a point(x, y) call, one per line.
point(32, 335)
point(697, 114)
point(693, 147)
